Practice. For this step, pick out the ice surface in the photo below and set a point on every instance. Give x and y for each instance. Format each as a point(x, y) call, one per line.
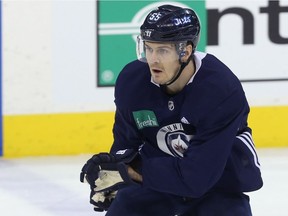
point(50, 186)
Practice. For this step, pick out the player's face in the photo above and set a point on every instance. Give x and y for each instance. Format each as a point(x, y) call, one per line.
point(163, 61)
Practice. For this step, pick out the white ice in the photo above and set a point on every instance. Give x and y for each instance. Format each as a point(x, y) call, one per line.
point(50, 186)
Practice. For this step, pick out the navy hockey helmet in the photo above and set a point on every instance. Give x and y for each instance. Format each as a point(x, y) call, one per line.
point(170, 23)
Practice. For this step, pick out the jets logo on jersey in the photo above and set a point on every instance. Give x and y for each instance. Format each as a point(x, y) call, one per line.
point(172, 139)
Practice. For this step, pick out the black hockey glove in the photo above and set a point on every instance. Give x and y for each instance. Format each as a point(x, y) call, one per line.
point(107, 171)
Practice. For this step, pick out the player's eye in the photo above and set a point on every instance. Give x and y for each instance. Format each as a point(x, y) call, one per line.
point(162, 51)
point(148, 49)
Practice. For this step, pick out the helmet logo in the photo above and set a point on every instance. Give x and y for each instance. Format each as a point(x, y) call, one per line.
point(182, 20)
point(147, 33)
point(155, 17)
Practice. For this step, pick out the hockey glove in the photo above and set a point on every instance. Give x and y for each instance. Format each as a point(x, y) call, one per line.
point(107, 171)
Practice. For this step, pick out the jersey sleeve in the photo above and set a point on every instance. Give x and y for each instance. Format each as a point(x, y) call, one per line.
point(124, 130)
point(125, 134)
point(205, 159)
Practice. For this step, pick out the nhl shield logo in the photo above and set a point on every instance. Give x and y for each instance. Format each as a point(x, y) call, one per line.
point(171, 105)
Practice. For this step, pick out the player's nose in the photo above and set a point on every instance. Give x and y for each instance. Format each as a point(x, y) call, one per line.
point(154, 57)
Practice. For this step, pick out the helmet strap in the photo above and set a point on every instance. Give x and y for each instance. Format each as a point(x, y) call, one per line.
point(183, 65)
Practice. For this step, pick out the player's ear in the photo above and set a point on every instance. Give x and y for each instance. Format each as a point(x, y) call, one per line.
point(188, 53)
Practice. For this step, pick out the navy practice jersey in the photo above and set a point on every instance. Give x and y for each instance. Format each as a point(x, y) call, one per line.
point(194, 141)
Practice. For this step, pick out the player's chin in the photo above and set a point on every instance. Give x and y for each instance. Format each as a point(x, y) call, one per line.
point(157, 78)
point(158, 81)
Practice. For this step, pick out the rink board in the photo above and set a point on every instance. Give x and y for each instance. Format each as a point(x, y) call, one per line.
point(65, 134)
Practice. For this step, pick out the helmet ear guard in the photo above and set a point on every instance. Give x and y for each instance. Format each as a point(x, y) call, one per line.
point(181, 49)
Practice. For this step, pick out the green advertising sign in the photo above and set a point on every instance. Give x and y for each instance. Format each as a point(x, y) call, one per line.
point(118, 25)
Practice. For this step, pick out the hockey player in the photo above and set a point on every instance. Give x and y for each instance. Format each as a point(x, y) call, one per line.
point(182, 145)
